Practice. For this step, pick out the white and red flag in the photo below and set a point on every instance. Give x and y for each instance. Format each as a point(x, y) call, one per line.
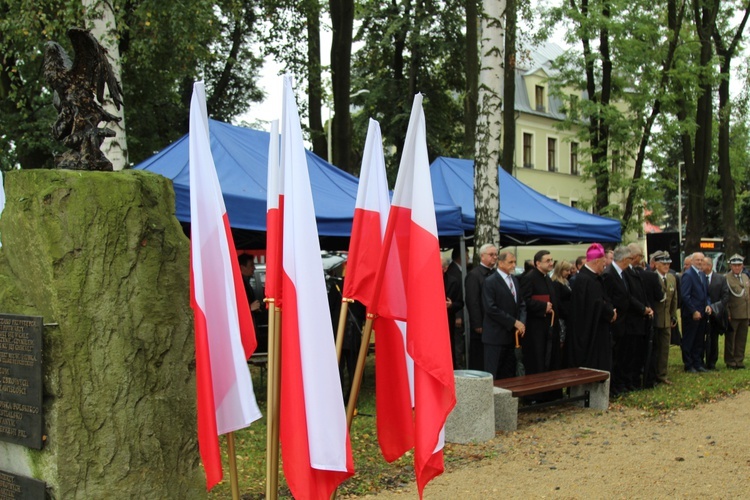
point(394, 368)
point(224, 333)
point(274, 209)
point(410, 248)
point(314, 437)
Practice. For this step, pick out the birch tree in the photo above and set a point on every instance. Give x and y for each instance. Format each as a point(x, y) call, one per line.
point(100, 19)
point(489, 124)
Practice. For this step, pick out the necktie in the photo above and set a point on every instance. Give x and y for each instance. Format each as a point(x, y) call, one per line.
point(512, 288)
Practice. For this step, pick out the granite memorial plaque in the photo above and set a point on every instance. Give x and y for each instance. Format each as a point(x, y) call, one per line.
point(21, 380)
point(20, 487)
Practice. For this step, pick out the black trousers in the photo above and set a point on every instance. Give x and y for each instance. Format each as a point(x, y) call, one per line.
point(500, 360)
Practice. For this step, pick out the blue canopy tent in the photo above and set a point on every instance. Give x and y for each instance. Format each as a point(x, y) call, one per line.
point(526, 216)
point(241, 158)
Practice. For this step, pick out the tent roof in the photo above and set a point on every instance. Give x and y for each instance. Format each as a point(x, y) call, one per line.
point(526, 216)
point(241, 158)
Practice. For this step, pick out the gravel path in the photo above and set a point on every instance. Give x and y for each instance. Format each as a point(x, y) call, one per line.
point(568, 452)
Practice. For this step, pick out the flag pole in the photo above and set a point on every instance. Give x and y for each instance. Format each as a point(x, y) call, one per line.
point(272, 403)
point(233, 467)
point(359, 370)
point(342, 326)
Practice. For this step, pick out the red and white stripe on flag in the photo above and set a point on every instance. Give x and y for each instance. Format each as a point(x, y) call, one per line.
point(224, 333)
point(274, 209)
point(411, 245)
point(394, 368)
point(314, 437)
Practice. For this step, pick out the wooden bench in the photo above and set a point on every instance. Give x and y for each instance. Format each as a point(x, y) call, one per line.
point(583, 384)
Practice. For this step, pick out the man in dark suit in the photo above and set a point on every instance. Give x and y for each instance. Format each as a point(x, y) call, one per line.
point(247, 269)
point(454, 302)
point(580, 262)
point(474, 281)
point(694, 311)
point(628, 329)
point(541, 352)
point(647, 290)
point(716, 324)
point(504, 314)
point(458, 344)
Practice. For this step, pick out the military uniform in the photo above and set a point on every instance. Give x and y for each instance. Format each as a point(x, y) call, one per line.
point(738, 308)
point(665, 315)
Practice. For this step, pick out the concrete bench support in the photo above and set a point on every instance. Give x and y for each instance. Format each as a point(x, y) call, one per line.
point(506, 410)
point(473, 418)
point(598, 393)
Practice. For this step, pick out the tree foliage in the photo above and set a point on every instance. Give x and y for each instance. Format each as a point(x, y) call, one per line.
point(410, 46)
point(164, 47)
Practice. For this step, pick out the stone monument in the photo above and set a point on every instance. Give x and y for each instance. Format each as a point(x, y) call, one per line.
point(101, 258)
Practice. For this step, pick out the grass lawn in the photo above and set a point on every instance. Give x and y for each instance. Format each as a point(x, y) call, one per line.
point(373, 474)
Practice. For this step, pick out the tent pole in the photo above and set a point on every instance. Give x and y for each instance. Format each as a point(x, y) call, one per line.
point(465, 319)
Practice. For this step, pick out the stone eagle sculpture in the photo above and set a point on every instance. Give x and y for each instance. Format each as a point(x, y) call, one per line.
point(78, 95)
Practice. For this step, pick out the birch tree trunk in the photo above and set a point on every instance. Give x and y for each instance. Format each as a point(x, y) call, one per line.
point(489, 124)
point(103, 25)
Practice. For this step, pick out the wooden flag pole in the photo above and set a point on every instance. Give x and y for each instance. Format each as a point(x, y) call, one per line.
point(277, 398)
point(342, 327)
point(233, 467)
point(359, 370)
point(272, 405)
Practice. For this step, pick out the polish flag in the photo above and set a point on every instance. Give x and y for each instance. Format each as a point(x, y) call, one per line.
point(224, 334)
point(370, 219)
point(314, 437)
point(411, 247)
point(274, 207)
point(394, 368)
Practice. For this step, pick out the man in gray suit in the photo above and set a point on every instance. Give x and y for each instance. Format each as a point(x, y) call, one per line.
point(504, 314)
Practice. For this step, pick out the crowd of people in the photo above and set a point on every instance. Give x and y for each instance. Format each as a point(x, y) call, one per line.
point(609, 310)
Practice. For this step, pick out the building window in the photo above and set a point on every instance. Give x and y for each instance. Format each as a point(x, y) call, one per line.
point(540, 98)
point(574, 203)
point(573, 158)
point(527, 145)
point(552, 154)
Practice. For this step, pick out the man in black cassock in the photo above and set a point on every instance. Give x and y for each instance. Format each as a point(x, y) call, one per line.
point(588, 342)
point(541, 344)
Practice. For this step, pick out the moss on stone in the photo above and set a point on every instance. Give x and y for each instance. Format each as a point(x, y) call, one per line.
point(102, 255)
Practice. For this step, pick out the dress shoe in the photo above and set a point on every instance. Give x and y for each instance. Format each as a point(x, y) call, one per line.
point(702, 369)
point(740, 367)
point(711, 368)
point(691, 370)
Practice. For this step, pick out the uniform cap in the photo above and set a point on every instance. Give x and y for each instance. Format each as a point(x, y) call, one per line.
point(662, 256)
point(736, 259)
